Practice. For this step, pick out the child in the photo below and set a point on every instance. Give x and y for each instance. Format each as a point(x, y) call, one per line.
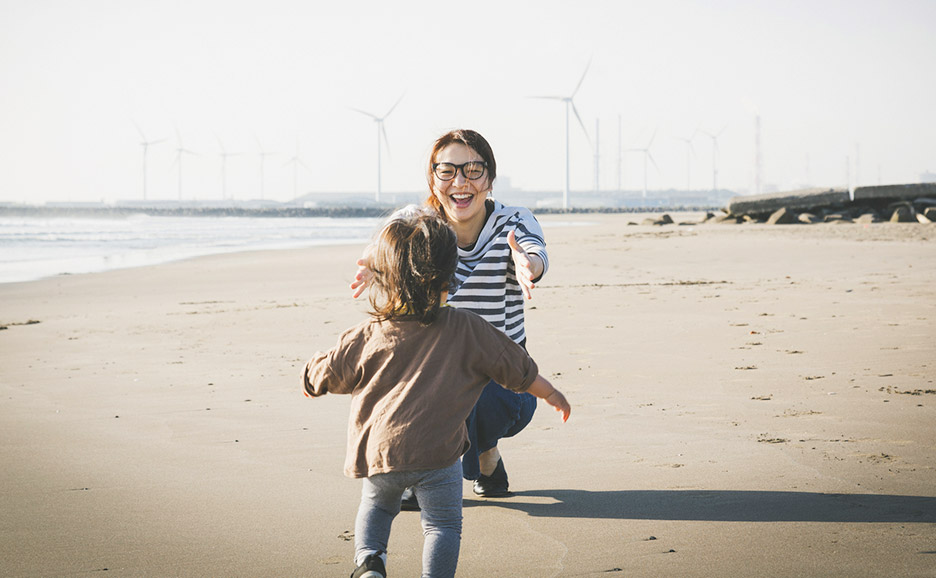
point(414, 372)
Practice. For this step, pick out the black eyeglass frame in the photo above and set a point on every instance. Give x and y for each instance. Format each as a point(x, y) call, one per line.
point(461, 168)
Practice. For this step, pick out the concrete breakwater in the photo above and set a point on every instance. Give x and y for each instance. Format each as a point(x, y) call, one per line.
point(895, 203)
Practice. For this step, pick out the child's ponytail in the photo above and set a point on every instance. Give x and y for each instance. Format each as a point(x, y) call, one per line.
point(413, 262)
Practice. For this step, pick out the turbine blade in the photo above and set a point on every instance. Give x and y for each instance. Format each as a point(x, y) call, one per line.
point(579, 85)
point(383, 131)
point(364, 112)
point(581, 124)
point(548, 97)
point(651, 138)
point(395, 105)
point(650, 156)
point(139, 130)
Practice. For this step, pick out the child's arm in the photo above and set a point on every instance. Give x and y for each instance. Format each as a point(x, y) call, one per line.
point(320, 376)
point(545, 391)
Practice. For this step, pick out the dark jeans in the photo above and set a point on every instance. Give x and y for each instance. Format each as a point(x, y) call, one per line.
point(499, 413)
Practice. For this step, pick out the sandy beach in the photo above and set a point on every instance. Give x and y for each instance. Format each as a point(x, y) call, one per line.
point(748, 400)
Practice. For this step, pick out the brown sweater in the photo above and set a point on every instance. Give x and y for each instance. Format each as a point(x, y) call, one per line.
point(413, 386)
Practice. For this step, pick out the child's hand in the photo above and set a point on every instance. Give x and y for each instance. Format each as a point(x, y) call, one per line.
point(559, 403)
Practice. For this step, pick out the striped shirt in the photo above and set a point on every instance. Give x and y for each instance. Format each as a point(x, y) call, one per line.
point(485, 282)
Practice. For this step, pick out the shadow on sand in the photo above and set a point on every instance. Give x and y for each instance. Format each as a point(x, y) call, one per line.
point(719, 506)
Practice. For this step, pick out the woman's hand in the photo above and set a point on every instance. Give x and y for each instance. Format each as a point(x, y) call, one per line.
point(361, 279)
point(527, 267)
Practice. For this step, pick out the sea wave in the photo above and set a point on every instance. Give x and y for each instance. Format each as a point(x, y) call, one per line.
point(37, 247)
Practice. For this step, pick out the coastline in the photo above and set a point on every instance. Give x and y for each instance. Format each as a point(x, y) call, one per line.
point(746, 400)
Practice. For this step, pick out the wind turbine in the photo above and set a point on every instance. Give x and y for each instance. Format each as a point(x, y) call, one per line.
point(263, 156)
point(647, 156)
point(619, 164)
point(690, 152)
point(145, 144)
point(181, 150)
point(569, 103)
point(296, 162)
point(379, 120)
point(597, 159)
point(224, 155)
point(714, 138)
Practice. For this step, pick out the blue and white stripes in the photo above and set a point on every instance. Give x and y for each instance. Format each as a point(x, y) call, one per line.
point(485, 282)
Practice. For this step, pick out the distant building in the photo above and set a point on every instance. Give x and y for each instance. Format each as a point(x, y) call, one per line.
point(928, 177)
point(74, 204)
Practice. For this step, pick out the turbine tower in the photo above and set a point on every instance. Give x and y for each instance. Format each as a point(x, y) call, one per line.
point(181, 150)
point(224, 155)
point(758, 165)
point(857, 165)
point(647, 156)
point(714, 138)
point(296, 162)
point(569, 103)
point(690, 152)
point(597, 159)
point(263, 155)
point(381, 131)
point(145, 144)
point(619, 165)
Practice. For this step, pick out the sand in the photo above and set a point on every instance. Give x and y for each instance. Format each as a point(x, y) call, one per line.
point(747, 401)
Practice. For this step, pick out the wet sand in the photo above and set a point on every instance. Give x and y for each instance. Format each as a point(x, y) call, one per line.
point(747, 400)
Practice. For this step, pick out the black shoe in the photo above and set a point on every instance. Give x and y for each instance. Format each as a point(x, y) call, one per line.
point(409, 503)
point(373, 567)
point(495, 485)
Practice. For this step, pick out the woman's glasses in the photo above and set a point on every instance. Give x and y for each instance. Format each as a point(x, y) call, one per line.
point(472, 170)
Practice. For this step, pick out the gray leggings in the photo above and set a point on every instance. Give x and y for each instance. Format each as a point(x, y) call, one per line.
point(439, 493)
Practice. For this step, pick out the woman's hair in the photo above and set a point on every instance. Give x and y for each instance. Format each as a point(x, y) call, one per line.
point(412, 260)
point(472, 140)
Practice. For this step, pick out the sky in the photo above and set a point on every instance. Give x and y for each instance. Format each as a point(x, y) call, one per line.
point(844, 92)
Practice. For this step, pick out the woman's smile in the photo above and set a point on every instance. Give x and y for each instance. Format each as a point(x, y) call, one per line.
point(462, 200)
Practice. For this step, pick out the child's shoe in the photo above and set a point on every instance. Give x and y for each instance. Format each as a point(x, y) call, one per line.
point(372, 567)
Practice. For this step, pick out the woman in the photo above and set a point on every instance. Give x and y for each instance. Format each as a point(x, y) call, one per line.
point(501, 255)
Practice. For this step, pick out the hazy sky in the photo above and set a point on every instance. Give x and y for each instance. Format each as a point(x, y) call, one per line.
point(832, 81)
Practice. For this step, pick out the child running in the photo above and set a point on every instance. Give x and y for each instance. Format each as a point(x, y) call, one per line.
point(414, 372)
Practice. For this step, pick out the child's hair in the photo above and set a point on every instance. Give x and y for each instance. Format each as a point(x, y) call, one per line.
point(413, 260)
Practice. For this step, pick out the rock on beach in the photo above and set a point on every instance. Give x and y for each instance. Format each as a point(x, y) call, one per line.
point(914, 203)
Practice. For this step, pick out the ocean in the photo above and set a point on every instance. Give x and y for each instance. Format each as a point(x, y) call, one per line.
point(38, 247)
